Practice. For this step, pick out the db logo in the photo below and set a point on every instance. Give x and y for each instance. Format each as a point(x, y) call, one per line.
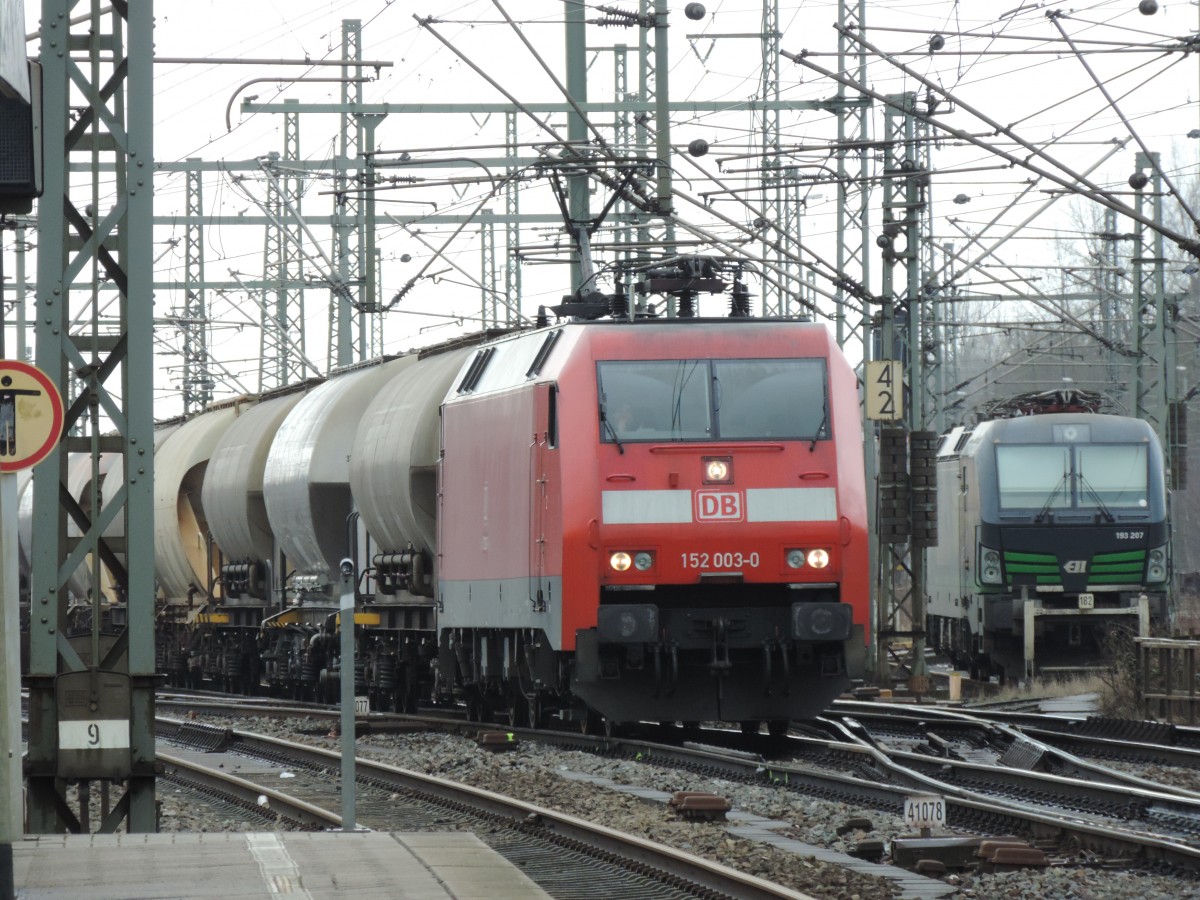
point(718, 506)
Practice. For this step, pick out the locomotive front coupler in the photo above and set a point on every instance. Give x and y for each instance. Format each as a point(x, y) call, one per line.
point(656, 655)
point(674, 648)
point(664, 683)
point(785, 657)
point(672, 677)
point(769, 647)
point(720, 662)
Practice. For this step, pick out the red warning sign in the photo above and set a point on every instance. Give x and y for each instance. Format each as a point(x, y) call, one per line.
point(31, 415)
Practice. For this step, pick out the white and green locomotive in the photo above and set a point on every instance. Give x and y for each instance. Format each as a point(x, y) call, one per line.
point(1053, 528)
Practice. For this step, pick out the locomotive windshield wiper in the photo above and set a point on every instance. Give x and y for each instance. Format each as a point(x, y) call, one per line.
point(1050, 500)
point(821, 426)
point(1105, 513)
point(612, 431)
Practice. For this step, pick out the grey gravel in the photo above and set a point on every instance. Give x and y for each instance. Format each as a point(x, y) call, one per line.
point(541, 775)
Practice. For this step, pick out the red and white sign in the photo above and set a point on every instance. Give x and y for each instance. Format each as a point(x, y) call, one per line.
point(720, 506)
point(31, 415)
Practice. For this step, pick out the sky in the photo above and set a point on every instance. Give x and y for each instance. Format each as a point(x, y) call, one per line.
point(1026, 79)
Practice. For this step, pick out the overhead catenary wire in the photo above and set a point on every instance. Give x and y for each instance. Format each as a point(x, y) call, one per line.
point(734, 233)
point(1074, 183)
point(830, 274)
point(399, 295)
point(1175, 43)
point(977, 261)
point(1151, 158)
point(1046, 303)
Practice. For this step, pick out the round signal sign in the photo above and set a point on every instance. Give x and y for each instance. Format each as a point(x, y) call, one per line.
point(31, 415)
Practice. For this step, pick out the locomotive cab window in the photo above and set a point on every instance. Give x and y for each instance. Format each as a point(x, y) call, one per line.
point(1073, 477)
point(1033, 477)
point(724, 399)
point(1114, 474)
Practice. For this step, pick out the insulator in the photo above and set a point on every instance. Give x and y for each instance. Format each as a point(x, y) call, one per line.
point(739, 301)
point(618, 303)
point(687, 305)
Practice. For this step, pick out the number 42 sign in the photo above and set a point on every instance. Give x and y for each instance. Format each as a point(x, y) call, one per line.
point(885, 389)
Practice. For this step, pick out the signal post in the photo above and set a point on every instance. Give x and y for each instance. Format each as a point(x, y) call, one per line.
point(31, 418)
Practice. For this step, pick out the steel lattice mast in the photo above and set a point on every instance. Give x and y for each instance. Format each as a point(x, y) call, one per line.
point(92, 666)
point(197, 376)
point(282, 342)
point(355, 323)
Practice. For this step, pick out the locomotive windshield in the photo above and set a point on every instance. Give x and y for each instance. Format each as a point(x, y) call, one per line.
point(720, 399)
point(1082, 476)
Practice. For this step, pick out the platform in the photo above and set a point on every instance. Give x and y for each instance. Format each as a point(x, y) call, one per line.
point(233, 866)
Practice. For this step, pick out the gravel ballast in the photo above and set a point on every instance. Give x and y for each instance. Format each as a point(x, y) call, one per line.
point(551, 777)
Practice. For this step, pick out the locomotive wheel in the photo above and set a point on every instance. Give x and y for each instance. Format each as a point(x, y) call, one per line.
point(750, 727)
point(476, 708)
point(537, 714)
point(590, 721)
point(517, 710)
point(778, 728)
point(406, 695)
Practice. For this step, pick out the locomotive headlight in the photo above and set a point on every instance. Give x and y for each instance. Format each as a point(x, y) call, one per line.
point(795, 559)
point(718, 469)
point(989, 568)
point(818, 558)
point(621, 561)
point(643, 560)
point(1157, 569)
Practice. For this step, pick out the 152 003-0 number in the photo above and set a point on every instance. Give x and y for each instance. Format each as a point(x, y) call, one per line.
point(726, 559)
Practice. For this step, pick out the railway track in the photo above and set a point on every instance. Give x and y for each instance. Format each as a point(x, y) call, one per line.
point(1067, 742)
point(1079, 807)
point(555, 849)
point(1148, 818)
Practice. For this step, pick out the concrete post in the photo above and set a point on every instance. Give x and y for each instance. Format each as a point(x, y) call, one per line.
point(11, 826)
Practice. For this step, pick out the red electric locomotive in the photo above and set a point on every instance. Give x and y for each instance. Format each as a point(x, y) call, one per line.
point(636, 518)
point(653, 520)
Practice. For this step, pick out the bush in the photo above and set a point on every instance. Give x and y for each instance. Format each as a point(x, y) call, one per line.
point(1119, 693)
